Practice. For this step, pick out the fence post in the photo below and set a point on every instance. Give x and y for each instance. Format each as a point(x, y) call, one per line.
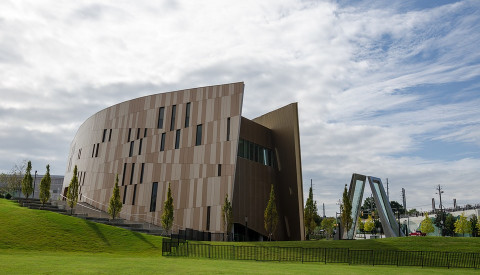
point(209, 247)
point(421, 257)
point(373, 257)
point(302, 253)
point(187, 250)
point(325, 254)
point(348, 256)
point(448, 261)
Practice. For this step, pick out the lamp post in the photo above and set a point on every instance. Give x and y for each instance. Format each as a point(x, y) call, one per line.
point(246, 228)
point(33, 195)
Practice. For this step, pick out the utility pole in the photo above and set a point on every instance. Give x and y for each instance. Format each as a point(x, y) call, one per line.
point(324, 210)
point(404, 198)
point(439, 192)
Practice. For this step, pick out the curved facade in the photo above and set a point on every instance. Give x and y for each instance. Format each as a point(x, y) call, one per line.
point(191, 139)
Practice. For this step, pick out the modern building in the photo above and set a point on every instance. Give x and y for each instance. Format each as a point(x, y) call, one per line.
point(197, 141)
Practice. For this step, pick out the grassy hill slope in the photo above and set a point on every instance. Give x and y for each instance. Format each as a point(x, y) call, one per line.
point(26, 229)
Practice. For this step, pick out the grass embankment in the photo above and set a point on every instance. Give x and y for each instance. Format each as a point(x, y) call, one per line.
point(42, 242)
point(37, 230)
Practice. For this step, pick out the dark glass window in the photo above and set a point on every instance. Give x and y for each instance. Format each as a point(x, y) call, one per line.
point(145, 133)
point(110, 135)
point(104, 135)
point(228, 129)
point(153, 197)
point(134, 194)
point(172, 122)
point(96, 151)
point(131, 148)
point(129, 133)
point(93, 151)
point(161, 114)
point(140, 147)
point(124, 171)
point(187, 115)
point(141, 172)
point(162, 142)
point(138, 133)
point(219, 172)
point(251, 148)
point(124, 194)
point(133, 172)
point(240, 148)
point(177, 139)
point(208, 218)
point(198, 138)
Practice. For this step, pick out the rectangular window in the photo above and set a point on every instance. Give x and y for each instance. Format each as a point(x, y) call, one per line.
point(161, 114)
point(198, 138)
point(145, 133)
point(153, 197)
point(84, 175)
point(177, 139)
point(138, 133)
point(256, 152)
point(96, 151)
point(129, 133)
point(104, 135)
point(240, 148)
point(131, 148)
point(187, 115)
point(124, 171)
point(93, 151)
point(110, 135)
point(251, 148)
point(208, 218)
point(219, 172)
point(141, 172)
point(134, 194)
point(172, 122)
point(79, 153)
point(140, 147)
point(162, 142)
point(133, 172)
point(124, 194)
point(228, 129)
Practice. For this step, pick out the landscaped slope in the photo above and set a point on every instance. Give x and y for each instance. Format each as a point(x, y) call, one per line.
point(26, 229)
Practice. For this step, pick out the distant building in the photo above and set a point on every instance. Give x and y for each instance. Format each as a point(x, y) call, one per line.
point(55, 187)
point(196, 140)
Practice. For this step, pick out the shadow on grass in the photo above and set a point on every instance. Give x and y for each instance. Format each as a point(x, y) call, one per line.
point(142, 238)
point(94, 227)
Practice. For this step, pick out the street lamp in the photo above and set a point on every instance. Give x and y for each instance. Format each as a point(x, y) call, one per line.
point(33, 195)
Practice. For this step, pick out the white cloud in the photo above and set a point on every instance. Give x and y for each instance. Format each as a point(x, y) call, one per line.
point(357, 71)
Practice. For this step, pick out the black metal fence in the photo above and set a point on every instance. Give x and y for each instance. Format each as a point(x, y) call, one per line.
point(181, 248)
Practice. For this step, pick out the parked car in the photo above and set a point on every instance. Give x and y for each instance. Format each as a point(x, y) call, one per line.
point(418, 233)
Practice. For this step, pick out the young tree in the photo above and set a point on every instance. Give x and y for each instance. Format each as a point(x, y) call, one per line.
point(227, 216)
point(72, 193)
point(426, 226)
point(478, 225)
point(27, 182)
point(369, 224)
point(360, 225)
point(462, 225)
point(167, 215)
point(328, 224)
point(397, 206)
point(115, 205)
point(449, 228)
point(309, 215)
point(45, 187)
point(270, 215)
point(346, 215)
point(473, 225)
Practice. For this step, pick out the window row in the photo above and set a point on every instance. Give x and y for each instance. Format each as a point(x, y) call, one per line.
point(255, 152)
point(132, 173)
point(161, 117)
point(138, 133)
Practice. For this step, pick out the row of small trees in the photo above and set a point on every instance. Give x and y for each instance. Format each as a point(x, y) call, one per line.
point(14, 181)
point(461, 226)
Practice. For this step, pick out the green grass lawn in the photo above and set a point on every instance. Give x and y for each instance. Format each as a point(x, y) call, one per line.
point(42, 242)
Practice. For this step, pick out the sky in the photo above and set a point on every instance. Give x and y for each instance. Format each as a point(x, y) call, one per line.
point(389, 89)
